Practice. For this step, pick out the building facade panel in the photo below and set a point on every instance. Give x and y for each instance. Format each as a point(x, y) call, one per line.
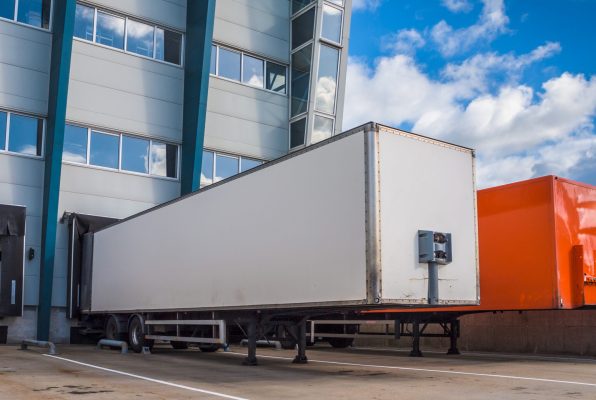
point(229, 134)
point(171, 13)
point(246, 103)
point(261, 27)
point(125, 93)
point(24, 68)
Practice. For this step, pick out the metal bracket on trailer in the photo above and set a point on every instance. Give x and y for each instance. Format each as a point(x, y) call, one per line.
point(219, 323)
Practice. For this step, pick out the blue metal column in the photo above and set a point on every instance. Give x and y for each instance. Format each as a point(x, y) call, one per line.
point(62, 26)
point(200, 18)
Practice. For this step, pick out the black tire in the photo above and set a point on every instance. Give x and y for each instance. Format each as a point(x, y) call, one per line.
point(179, 345)
point(340, 343)
point(209, 348)
point(112, 329)
point(136, 335)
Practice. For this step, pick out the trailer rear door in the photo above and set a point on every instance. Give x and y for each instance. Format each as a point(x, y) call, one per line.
point(12, 249)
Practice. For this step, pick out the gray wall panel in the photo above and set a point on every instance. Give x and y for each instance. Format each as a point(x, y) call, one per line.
point(122, 92)
point(31, 297)
point(117, 185)
point(257, 26)
point(246, 121)
point(24, 68)
point(170, 13)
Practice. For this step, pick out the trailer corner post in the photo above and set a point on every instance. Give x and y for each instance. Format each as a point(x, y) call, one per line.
point(373, 215)
point(200, 20)
point(63, 28)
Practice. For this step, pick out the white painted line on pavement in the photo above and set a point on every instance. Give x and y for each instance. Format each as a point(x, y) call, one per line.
point(589, 360)
point(439, 371)
point(192, 389)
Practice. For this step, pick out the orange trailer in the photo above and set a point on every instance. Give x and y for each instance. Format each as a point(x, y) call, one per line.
point(537, 251)
point(537, 243)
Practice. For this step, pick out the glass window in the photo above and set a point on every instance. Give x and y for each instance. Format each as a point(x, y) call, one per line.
point(276, 77)
point(34, 12)
point(83, 26)
point(225, 166)
point(252, 71)
point(135, 154)
point(3, 130)
point(25, 135)
point(229, 64)
point(247, 163)
point(332, 20)
point(164, 159)
point(75, 144)
point(207, 168)
point(110, 30)
point(297, 133)
point(323, 129)
point(7, 9)
point(303, 28)
point(213, 69)
point(168, 46)
point(338, 2)
point(139, 38)
point(298, 5)
point(104, 150)
point(327, 80)
point(301, 79)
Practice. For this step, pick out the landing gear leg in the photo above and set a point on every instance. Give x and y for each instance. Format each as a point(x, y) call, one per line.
point(453, 335)
point(251, 359)
point(416, 342)
point(301, 356)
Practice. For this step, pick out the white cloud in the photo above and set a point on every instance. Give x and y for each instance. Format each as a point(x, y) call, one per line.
point(517, 131)
point(405, 41)
point(492, 22)
point(457, 6)
point(363, 5)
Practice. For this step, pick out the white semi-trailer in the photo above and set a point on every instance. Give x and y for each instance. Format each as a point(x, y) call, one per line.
point(327, 230)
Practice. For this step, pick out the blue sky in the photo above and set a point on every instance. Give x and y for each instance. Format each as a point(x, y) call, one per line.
point(515, 80)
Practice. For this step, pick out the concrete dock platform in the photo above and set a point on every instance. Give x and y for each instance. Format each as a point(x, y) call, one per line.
point(85, 372)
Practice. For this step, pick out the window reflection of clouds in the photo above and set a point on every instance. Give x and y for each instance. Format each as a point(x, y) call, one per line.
point(110, 30)
point(323, 129)
point(3, 125)
point(135, 154)
point(332, 19)
point(140, 38)
point(252, 71)
point(75, 144)
point(225, 167)
point(25, 135)
point(159, 159)
point(83, 27)
point(327, 80)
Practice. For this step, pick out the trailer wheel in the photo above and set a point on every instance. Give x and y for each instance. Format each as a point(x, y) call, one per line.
point(340, 343)
point(112, 329)
point(179, 345)
point(209, 348)
point(136, 335)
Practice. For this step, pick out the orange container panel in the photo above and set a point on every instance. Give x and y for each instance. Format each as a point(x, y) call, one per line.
point(537, 243)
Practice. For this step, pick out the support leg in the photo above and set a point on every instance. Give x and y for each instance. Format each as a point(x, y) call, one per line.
point(251, 359)
point(416, 340)
point(453, 335)
point(301, 356)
